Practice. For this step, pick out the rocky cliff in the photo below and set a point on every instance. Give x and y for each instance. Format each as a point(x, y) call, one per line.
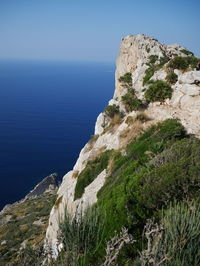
point(142, 61)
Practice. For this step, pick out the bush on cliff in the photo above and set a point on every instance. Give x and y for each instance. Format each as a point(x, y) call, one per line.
point(131, 102)
point(158, 91)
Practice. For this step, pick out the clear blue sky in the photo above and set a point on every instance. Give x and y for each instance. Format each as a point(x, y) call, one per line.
point(92, 29)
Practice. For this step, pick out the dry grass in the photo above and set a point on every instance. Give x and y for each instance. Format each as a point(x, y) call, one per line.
point(91, 142)
point(75, 174)
point(114, 123)
point(129, 120)
point(143, 117)
point(130, 133)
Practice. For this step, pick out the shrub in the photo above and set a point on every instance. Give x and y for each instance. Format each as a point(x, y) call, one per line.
point(126, 80)
point(186, 52)
point(154, 67)
point(178, 62)
point(112, 110)
point(90, 172)
point(131, 101)
point(158, 91)
point(163, 60)
point(153, 59)
point(183, 63)
point(171, 77)
point(148, 74)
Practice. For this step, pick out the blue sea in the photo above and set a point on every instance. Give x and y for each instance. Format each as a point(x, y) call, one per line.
point(47, 113)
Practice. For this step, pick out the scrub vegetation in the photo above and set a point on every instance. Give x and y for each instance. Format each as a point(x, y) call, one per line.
point(163, 156)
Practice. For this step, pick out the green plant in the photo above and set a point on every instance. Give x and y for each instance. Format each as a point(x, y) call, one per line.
point(154, 67)
point(112, 110)
point(183, 63)
point(171, 77)
point(176, 240)
point(148, 74)
point(178, 62)
point(153, 59)
point(81, 236)
point(126, 80)
point(131, 101)
point(90, 172)
point(158, 91)
point(186, 52)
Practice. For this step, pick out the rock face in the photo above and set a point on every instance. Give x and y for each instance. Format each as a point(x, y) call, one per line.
point(184, 104)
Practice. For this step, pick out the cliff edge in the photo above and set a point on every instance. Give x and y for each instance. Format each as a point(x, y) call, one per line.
point(153, 82)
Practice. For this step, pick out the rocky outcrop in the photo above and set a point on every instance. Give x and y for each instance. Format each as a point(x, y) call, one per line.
point(184, 104)
point(47, 184)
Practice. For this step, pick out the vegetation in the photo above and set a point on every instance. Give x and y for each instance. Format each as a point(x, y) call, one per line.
point(176, 240)
point(126, 80)
point(129, 197)
point(171, 77)
point(131, 102)
point(153, 67)
point(142, 117)
point(158, 91)
point(112, 110)
point(183, 63)
point(81, 237)
point(27, 223)
point(90, 172)
point(187, 52)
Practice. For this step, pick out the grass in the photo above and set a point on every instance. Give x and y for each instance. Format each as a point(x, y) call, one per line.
point(81, 237)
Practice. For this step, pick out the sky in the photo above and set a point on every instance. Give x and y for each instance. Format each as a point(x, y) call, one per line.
point(91, 30)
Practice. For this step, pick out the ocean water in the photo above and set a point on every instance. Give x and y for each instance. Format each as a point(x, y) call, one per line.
point(47, 113)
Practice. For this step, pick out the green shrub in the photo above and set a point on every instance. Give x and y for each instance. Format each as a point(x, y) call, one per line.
point(126, 80)
point(186, 52)
point(131, 101)
point(152, 59)
point(163, 60)
point(183, 63)
point(112, 110)
point(90, 172)
point(178, 62)
point(154, 67)
point(171, 77)
point(158, 91)
point(148, 74)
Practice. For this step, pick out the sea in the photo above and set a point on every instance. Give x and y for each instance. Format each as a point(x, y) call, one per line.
point(48, 111)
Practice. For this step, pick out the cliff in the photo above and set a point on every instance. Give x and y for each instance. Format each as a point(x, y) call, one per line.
point(143, 65)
